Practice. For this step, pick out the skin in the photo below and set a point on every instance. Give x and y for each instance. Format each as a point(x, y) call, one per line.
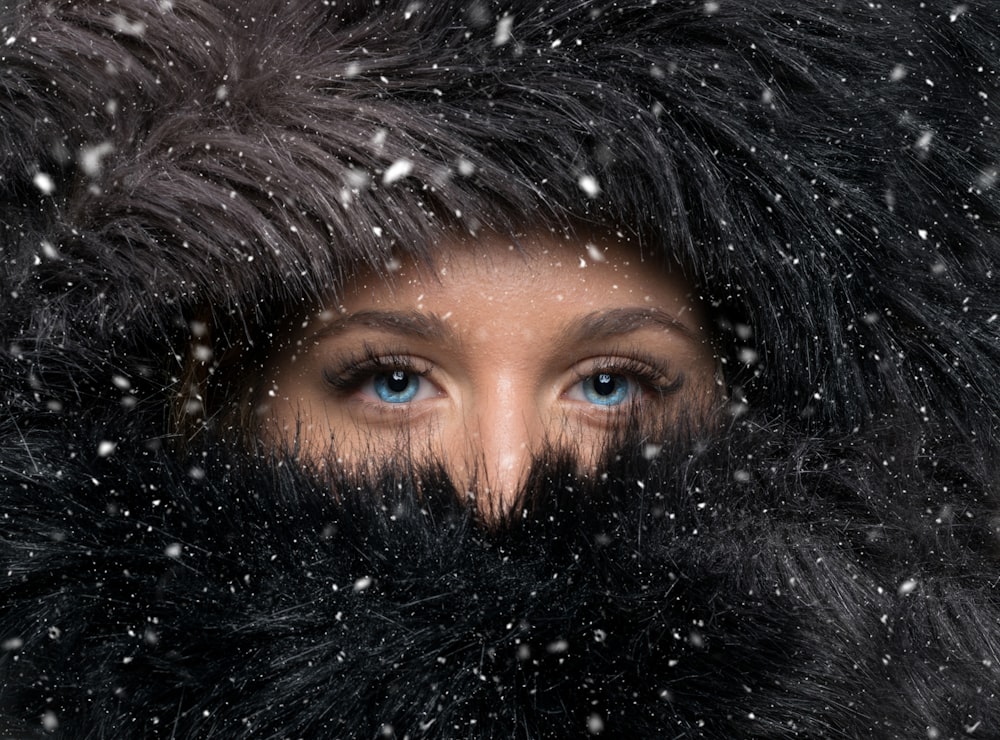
point(498, 350)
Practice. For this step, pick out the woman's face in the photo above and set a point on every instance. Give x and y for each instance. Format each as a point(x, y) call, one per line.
point(490, 354)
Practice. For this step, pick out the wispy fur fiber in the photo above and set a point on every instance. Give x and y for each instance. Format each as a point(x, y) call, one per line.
point(822, 565)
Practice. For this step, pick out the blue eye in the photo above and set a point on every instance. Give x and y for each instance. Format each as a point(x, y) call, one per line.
point(397, 386)
point(606, 389)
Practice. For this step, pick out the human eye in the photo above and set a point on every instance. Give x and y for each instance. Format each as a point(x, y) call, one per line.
point(604, 389)
point(614, 381)
point(399, 385)
point(391, 378)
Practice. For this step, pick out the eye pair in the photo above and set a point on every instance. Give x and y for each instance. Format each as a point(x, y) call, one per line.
point(399, 386)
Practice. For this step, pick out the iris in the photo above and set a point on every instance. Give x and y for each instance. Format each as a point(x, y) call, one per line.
point(397, 386)
point(606, 389)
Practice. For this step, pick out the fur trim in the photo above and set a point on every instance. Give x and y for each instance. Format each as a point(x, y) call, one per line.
point(801, 596)
point(825, 174)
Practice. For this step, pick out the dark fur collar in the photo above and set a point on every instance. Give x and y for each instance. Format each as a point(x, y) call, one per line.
point(760, 585)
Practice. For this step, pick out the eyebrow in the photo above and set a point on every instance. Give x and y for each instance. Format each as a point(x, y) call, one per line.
point(403, 323)
point(612, 322)
point(598, 325)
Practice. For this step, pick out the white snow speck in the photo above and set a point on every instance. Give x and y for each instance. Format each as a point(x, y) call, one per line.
point(922, 233)
point(91, 157)
point(651, 451)
point(44, 182)
point(10, 41)
point(50, 722)
point(748, 356)
point(357, 178)
point(49, 250)
point(557, 646)
point(956, 12)
point(502, 34)
point(129, 28)
point(14, 643)
point(924, 142)
point(898, 73)
point(411, 9)
point(907, 586)
point(711, 7)
point(362, 583)
point(741, 476)
point(595, 254)
point(589, 185)
point(106, 448)
point(595, 724)
point(397, 171)
point(379, 137)
point(173, 550)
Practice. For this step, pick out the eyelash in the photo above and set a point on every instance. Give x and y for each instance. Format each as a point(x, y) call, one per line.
point(651, 373)
point(354, 370)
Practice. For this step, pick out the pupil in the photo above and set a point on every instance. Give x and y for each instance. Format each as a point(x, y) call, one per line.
point(604, 384)
point(397, 381)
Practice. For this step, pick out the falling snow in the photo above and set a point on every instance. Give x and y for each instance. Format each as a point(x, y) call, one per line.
point(50, 722)
point(91, 158)
point(589, 185)
point(502, 35)
point(397, 171)
point(127, 27)
point(44, 182)
point(595, 724)
point(595, 254)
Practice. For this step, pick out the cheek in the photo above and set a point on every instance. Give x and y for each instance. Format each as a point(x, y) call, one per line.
point(290, 413)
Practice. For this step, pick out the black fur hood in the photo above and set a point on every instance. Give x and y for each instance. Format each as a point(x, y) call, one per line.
point(824, 564)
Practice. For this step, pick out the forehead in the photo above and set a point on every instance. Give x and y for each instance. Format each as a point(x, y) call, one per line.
point(536, 277)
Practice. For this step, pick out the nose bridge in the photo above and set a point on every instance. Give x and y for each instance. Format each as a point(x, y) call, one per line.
point(504, 429)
